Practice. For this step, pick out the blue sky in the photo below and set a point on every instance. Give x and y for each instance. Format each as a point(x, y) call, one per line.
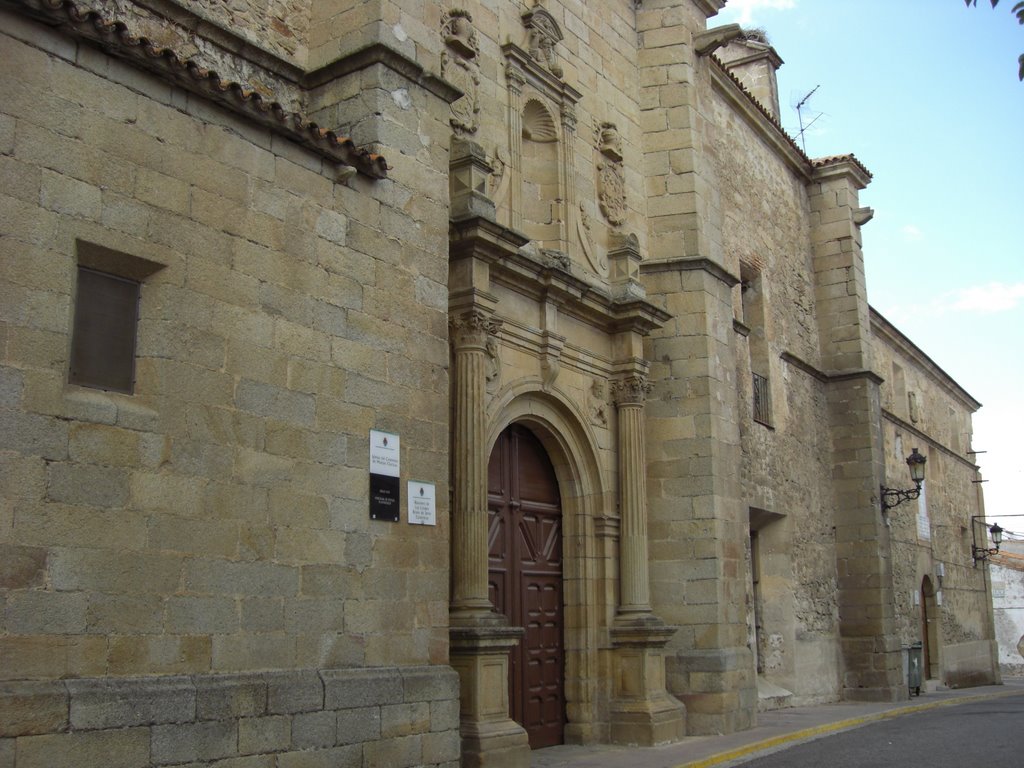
point(925, 94)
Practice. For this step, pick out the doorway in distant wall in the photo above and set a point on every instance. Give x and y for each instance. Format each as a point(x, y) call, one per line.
point(525, 578)
point(929, 631)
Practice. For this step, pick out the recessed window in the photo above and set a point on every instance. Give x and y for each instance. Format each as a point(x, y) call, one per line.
point(103, 340)
point(107, 295)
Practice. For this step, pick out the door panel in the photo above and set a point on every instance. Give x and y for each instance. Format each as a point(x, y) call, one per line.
point(525, 579)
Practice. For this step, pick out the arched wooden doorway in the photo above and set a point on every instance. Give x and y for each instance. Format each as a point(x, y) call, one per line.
point(525, 578)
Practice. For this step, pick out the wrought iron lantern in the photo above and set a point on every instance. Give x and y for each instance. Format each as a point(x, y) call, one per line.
point(891, 497)
point(995, 532)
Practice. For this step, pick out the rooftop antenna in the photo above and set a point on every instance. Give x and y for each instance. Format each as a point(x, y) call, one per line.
point(800, 117)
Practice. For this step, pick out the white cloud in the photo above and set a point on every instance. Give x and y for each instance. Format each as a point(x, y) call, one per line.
point(986, 299)
point(748, 8)
point(994, 297)
point(912, 233)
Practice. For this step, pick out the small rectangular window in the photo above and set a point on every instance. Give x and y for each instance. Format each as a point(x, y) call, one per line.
point(103, 336)
point(762, 401)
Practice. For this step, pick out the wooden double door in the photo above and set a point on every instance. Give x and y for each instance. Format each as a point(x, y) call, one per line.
point(525, 578)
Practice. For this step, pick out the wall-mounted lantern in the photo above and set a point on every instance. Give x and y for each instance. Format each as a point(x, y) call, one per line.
point(996, 534)
point(894, 496)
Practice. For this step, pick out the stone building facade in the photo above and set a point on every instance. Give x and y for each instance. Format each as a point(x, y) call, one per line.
point(565, 253)
point(1007, 572)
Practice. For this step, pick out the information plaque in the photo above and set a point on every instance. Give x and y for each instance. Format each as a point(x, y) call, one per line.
point(422, 506)
point(385, 489)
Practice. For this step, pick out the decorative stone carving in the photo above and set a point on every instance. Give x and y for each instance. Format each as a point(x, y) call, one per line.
point(460, 66)
point(493, 370)
point(538, 125)
point(610, 142)
point(631, 390)
point(557, 258)
point(584, 228)
point(473, 329)
point(550, 358)
point(499, 176)
point(611, 176)
point(569, 117)
point(597, 403)
point(544, 35)
point(459, 33)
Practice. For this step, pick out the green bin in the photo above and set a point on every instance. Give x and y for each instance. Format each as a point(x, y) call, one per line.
point(915, 660)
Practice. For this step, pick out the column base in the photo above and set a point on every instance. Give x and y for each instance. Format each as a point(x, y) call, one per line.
point(490, 738)
point(642, 711)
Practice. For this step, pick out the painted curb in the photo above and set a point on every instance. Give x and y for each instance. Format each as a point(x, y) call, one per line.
point(840, 725)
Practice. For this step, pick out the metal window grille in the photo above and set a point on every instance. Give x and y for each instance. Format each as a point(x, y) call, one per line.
point(762, 401)
point(103, 338)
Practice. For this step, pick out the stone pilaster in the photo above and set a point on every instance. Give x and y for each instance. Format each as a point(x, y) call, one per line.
point(697, 521)
point(872, 661)
point(642, 711)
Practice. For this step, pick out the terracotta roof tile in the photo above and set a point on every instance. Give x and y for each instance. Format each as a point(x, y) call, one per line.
point(115, 36)
point(820, 162)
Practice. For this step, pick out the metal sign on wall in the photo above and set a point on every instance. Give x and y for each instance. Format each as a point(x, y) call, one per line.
point(422, 504)
point(385, 489)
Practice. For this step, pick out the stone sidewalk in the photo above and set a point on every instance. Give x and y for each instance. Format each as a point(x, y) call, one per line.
point(774, 730)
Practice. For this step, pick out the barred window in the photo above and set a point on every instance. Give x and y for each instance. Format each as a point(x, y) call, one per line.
point(106, 319)
point(762, 401)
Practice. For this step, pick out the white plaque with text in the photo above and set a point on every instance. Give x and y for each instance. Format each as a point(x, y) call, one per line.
point(422, 504)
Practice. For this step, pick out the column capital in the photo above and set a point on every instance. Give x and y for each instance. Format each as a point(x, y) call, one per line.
point(472, 328)
point(630, 390)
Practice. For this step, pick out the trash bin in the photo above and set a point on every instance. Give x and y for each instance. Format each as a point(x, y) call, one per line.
point(915, 660)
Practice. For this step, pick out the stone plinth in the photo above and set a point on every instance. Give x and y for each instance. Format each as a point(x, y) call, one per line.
point(642, 711)
point(490, 738)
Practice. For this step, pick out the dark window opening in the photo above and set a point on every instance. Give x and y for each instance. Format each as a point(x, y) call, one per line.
point(103, 336)
point(762, 401)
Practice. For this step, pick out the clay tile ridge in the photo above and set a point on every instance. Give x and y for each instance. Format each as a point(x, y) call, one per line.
point(233, 94)
point(760, 107)
point(820, 162)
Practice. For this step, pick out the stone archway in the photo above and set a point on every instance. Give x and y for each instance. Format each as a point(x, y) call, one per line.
point(571, 449)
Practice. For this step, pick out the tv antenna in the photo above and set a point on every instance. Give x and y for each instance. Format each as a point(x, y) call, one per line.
point(800, 117)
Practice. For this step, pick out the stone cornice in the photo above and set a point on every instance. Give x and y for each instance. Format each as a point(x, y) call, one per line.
point(886, 331)
point(829, 377)
point(909, 428)
point(536, 75)
point(275, 110)
point(687, 264)
point(378, 53)
point(544, 280)
point(837, 166)
point(709, 7)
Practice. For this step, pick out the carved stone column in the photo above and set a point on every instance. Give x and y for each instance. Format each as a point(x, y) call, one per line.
point(480, 637)
point(634, 583)
point(642, 711)
point(470, 604)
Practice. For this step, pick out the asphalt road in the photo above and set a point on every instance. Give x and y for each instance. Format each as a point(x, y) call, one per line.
point(986, 733)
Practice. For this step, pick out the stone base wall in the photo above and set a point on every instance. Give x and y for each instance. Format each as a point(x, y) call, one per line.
point(968, 664)
point(391, 717)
